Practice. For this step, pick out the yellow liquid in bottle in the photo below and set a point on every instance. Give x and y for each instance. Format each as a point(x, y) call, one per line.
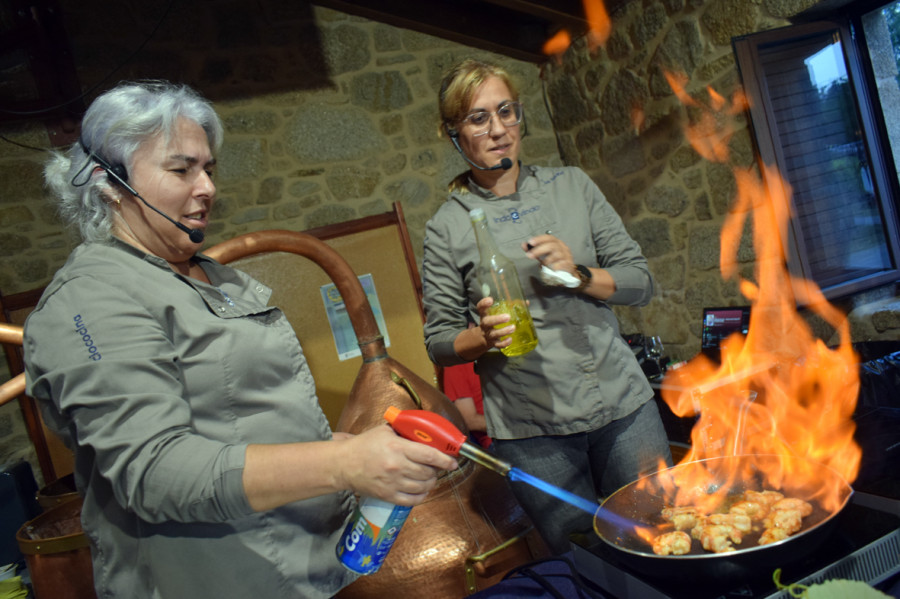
point(524, 338)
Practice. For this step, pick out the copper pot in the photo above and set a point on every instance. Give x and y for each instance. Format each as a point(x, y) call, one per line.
point(470, 530)
point(58, 553)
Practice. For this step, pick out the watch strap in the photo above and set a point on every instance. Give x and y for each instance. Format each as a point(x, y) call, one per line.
point(583, 273)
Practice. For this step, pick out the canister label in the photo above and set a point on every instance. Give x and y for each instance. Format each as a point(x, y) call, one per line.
point(370, 534)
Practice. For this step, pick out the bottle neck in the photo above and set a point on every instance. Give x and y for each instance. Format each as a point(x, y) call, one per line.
point(483, 238)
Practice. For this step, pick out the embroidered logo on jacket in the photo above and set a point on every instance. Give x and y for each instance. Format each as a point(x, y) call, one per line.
point(81, 329)
point(515, 216)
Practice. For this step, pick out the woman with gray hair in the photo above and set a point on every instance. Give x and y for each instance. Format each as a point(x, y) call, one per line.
point(140, 111)
point(208, 468)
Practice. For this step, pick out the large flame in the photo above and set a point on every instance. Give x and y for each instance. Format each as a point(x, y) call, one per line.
point(780, 390)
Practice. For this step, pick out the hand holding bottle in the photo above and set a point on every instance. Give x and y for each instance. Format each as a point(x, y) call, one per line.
point(499, 281)
point(492, 325)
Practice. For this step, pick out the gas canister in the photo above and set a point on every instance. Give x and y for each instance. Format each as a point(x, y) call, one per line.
point(370, 534)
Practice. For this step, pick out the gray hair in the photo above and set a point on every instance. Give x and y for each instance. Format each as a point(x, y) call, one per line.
point(113, 128)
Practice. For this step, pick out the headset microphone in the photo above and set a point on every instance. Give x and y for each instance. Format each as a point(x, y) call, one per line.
point(195, 235)
point(505, 163)
point(118, 173)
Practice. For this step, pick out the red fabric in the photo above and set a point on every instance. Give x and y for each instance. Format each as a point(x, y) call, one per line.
point(461, 381)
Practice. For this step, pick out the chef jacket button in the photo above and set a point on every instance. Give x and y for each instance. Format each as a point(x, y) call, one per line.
point(260, 288)
point(221, 308)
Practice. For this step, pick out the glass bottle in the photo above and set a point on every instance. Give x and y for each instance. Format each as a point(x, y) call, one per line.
point(499, 279)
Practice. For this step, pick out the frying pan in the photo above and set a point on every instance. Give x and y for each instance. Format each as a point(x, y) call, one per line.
point(641, 502)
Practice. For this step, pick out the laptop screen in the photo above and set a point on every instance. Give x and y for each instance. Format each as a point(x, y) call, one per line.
point(719, 323)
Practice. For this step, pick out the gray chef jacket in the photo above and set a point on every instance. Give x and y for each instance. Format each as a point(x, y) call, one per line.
point(159, 382)
point(582, 375)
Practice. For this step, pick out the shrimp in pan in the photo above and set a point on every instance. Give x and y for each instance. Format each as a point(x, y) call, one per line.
point(672, 543)
point(740, 521)
point(683, 518)
point(718, 538)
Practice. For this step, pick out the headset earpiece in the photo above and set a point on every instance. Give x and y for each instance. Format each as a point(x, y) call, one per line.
point(117, 173)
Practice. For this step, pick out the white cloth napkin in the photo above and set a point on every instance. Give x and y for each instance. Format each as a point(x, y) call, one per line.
point(559, 278)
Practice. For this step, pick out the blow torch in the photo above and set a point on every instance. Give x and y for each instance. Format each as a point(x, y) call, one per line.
point(373, 528)
point(438, 432)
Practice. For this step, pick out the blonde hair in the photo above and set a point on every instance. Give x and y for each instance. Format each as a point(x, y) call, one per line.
point(458, 88)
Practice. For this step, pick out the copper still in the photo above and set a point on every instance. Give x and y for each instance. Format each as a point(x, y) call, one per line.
point(470, 530)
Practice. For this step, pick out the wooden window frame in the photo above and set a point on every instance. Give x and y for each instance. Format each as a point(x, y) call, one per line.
point(769, 146)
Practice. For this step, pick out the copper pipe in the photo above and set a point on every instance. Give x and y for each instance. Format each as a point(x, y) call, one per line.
point(278, 240)
point(10, 333)
point(11, 389)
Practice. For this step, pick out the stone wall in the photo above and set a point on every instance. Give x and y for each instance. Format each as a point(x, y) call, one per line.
point(330, 117)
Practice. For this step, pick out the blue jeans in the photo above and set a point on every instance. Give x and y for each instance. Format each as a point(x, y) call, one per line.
point(592, 465)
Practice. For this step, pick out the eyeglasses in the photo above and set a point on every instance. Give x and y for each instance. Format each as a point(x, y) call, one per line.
point(509, 114)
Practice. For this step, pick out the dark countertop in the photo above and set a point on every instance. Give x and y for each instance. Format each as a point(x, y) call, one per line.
point(556, 578)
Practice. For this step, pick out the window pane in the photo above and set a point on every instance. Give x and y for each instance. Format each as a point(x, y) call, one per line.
point(826, 162)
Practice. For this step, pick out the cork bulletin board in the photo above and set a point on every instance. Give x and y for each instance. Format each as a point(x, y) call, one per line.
point(377, 247)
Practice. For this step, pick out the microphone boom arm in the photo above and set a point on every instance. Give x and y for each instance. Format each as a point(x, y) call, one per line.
point(505, 163)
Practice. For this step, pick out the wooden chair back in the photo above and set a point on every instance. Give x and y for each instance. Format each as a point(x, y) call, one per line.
point(54, 458)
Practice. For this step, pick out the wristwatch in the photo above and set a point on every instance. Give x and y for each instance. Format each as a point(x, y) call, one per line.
point(583, 273)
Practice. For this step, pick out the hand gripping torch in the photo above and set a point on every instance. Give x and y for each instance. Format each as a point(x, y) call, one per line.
point(372, 530)
point(436, 431)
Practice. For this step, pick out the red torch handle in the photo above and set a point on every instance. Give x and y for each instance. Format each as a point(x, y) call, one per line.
point(426, 427)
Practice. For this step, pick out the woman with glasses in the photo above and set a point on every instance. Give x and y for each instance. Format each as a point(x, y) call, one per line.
point(575, 411)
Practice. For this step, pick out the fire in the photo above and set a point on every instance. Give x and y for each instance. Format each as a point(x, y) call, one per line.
point(647, 534)
point(558, 44)
point(779, 391)
point(638, 118)
point(599, 29)
point(779, 398)
point(710, 134)
point(599, 25)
